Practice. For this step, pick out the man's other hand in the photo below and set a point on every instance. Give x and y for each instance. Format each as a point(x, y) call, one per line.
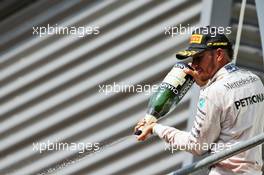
point(146, 130)
point(196, 76)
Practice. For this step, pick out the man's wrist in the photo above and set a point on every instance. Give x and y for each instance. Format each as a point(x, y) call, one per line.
point(153, 128)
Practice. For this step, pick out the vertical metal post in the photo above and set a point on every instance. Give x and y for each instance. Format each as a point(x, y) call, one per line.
point(260, 14)
point(239, 29)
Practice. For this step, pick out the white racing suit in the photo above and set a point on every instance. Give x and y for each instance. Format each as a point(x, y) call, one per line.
point(230, 110)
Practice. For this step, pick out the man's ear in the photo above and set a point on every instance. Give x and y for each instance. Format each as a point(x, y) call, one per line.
point(220, 54)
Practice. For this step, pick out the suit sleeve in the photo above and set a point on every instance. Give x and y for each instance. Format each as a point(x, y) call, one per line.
point(205, 130)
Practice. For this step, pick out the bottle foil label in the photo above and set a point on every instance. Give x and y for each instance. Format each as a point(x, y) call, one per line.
point(175, 77)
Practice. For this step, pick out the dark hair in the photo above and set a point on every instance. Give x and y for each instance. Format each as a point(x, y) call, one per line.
point(230, 52)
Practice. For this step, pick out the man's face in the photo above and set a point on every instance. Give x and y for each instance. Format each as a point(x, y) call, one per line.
point(205, 64)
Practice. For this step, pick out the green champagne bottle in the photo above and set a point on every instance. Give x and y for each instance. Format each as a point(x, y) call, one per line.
point(170, 92)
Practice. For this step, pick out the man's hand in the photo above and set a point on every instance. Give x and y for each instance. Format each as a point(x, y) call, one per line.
point(147, 129)
point(196, 76)
point(140, 124)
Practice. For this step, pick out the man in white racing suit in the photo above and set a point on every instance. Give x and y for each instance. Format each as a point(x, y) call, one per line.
point(230, 109)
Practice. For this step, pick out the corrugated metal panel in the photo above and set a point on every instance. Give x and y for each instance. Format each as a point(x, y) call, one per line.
point(50, 85)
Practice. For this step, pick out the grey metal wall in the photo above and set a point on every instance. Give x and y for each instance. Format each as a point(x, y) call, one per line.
point(49, 86)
